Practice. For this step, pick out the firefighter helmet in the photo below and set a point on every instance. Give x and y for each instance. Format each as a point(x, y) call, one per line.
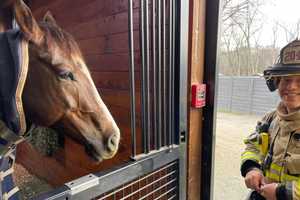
point(288, 64)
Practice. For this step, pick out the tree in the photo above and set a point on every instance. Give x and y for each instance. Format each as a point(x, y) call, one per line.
point(290, 30)
point(242, 25)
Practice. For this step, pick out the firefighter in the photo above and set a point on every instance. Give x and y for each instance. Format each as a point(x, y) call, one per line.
point(271, 160)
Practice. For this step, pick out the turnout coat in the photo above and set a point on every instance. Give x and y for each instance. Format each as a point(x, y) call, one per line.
point(283, 164)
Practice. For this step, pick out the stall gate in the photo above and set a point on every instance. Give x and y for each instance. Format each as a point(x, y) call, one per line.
point(157, 166)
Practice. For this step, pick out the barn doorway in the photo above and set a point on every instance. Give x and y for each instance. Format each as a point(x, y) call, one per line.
point(243, 97)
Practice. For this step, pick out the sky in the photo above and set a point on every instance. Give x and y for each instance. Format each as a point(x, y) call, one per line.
point(286, 12)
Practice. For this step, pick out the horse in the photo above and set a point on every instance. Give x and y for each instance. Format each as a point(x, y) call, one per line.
point(59, 91)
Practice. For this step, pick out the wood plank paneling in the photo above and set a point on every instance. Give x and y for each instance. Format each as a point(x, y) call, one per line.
point(102, 26)
point(117, 6)
point(111, 62)
point(109, 44)
point(120, 99)
point(70, 13)
point(114, 80)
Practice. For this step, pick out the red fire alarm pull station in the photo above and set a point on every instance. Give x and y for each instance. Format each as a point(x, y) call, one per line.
point(198, 95)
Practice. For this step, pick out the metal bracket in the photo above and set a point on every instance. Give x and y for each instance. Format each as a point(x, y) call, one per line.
point(83, 183)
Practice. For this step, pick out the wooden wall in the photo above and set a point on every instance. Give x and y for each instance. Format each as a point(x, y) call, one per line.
point(196, 63)
point(100, 27)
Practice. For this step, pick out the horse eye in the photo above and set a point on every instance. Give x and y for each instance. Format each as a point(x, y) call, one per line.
point(67, 76)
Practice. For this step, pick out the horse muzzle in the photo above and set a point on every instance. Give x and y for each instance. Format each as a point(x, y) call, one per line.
point(103, 150)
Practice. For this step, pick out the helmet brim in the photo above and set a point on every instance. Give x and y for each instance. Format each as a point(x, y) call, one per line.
point(279, 69)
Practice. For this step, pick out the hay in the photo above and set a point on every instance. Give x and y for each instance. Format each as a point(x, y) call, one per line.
point(45, 140)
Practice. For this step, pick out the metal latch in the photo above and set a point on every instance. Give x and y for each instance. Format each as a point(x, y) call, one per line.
point(83, 183)
point(182, 136)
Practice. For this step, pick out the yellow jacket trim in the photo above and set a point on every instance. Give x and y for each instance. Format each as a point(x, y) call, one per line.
point(296, 190)
point(276, 167)
point(272, 176)
point(250, 155)
point(275, 171)
point(287, 177)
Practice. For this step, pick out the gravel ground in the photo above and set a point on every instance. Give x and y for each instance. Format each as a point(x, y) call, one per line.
point(29, 185)
point(231, 129)
point(228, 184)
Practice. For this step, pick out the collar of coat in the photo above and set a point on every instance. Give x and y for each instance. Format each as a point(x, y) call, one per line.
point(288, 121)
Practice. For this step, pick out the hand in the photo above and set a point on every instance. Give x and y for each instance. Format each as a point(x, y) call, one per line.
point(254, 179)
point(269, 191)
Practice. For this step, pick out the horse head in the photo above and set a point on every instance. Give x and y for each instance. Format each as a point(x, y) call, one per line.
point(59, 91)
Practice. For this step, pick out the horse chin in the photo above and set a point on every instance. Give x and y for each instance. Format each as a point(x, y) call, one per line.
point(96, 157)
point(100, 157)
point(92, 153)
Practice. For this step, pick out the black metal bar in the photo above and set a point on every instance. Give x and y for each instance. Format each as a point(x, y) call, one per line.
point(170, 104)
point(147, 79)
point(164, 92)
point(209, 111)
point(173, 72)
point(131, 76)
point(181, 72)
point(158, 75)
point(155, 132)
point(143, 91)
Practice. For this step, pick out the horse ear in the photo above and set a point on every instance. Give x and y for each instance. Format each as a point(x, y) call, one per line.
point(27, 22)
point(48, 17)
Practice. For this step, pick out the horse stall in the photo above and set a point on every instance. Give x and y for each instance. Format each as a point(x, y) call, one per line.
point(138, 53)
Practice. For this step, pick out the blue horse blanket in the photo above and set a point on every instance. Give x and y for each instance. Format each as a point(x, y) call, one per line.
point(13, 72)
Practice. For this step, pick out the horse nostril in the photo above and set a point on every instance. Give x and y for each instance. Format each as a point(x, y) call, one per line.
point(112, 143)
